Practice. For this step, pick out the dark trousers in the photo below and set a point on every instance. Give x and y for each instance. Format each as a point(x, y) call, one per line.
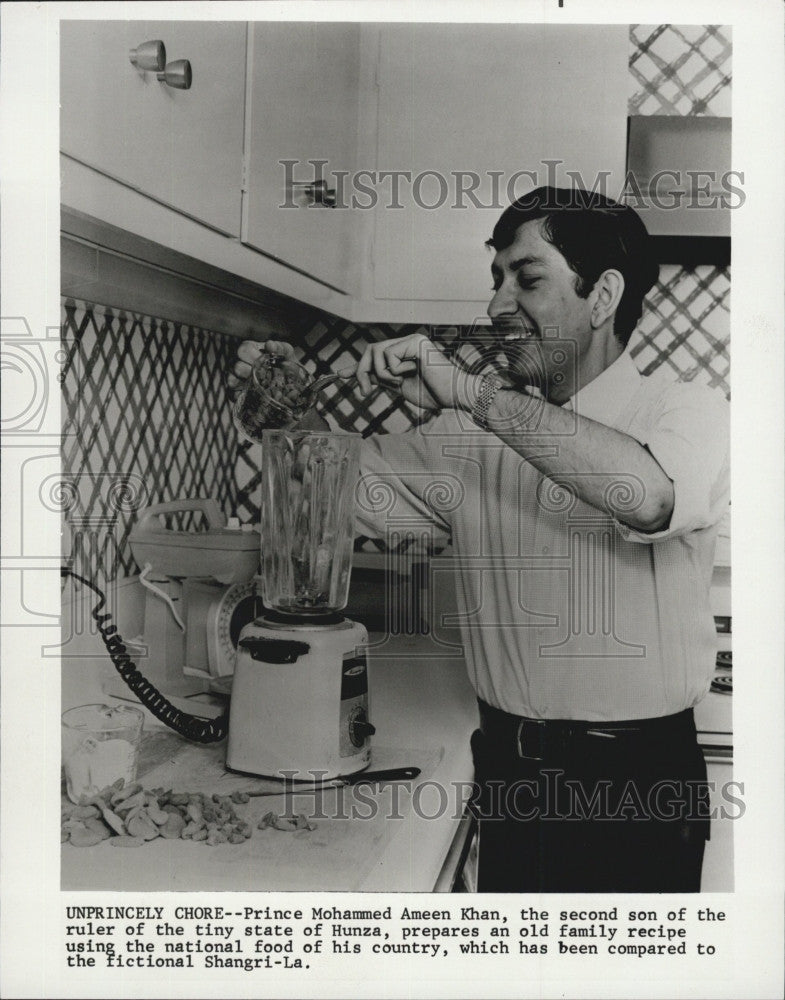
point(617, 812)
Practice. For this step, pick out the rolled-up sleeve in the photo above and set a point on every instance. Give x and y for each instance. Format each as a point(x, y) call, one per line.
point(689, 435)
point(399, 491)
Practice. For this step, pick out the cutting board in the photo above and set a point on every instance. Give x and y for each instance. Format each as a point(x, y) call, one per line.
point(353, 827)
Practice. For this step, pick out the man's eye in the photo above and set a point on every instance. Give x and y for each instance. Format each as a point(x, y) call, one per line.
point(527, 282)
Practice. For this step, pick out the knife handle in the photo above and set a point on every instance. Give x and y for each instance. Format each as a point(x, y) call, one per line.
point(389, 774)
point(362, 777)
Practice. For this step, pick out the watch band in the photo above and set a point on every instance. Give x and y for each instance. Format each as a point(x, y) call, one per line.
point(489, 386)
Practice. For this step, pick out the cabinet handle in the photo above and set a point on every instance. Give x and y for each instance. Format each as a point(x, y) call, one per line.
point(316, 193)
point(152, 56)
point(149, 56)
point(177, 74)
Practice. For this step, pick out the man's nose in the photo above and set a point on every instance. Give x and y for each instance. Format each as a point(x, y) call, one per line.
point(502, 304)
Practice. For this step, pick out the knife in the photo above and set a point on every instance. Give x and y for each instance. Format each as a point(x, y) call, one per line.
point(361, 778)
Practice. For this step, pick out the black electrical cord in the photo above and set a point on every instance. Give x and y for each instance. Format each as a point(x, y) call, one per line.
point(190, 726)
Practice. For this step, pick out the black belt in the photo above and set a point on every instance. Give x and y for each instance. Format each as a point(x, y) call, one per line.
point(537, 739)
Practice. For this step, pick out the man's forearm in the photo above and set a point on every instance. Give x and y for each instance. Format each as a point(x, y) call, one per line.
point(603, 467)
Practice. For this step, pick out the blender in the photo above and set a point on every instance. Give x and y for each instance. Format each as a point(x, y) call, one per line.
point(299, 702)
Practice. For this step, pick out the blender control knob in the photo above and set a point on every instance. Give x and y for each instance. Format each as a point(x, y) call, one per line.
point(360, 729)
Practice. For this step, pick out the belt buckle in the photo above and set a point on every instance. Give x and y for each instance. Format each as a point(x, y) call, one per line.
point(606, 735)
point(520, 741)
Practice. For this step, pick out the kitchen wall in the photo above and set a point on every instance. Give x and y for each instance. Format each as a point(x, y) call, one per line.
point(684, 70)
point(146, 415)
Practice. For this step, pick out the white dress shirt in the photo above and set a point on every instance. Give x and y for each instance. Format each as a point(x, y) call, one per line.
point(566, 613)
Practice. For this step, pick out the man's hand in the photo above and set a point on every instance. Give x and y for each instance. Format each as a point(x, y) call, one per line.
point(416, 368)
point(248, 352)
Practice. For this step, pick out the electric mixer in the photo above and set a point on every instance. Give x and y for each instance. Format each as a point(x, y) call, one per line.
point(299, 702)
point(199, 592)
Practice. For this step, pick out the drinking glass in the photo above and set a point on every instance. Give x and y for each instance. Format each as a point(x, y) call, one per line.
point(100, 745)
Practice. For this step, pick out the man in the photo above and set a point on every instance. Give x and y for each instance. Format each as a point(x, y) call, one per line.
point(583, 515)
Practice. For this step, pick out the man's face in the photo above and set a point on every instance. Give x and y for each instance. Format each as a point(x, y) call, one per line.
point(534, 304)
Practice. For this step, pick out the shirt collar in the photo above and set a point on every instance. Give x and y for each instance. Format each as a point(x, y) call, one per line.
point(605, 397)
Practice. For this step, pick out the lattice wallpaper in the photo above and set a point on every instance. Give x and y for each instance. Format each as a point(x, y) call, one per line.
point(686, 326)
point(145, 419)
point(678, 69)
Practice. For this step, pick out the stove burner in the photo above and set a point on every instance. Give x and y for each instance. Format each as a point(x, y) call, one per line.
point(722, 682)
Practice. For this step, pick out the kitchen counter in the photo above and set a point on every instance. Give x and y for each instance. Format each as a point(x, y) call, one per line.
point(424, 711)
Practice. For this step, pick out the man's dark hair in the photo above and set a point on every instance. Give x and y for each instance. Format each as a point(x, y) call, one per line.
point(592, 233)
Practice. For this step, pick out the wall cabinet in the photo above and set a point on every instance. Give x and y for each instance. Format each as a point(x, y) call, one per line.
point(472, 113)
point(302, 106)
point(183, 148)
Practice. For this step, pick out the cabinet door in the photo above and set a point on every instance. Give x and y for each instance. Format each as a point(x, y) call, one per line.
point(182, 147)
point(464, 100)
point(303, 105)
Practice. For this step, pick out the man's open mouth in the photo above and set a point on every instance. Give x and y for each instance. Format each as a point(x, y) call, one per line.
point(513, 335)
point(512, 330)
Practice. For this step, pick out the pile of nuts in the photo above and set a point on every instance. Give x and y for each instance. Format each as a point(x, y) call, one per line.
point(131, 816)
point(284, 381)
point(286, 823)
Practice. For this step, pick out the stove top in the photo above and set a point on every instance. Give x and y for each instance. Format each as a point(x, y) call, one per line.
point(722, 683)
point(714, 714)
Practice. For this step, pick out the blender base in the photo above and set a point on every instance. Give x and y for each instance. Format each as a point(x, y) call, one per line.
point(299, 704)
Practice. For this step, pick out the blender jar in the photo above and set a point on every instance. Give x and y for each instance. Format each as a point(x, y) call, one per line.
point(308, 485)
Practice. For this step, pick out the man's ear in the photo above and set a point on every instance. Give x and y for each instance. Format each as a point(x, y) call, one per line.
point(607, 292)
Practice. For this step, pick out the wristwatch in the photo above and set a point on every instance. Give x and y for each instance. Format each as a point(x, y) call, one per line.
point(489, 386)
